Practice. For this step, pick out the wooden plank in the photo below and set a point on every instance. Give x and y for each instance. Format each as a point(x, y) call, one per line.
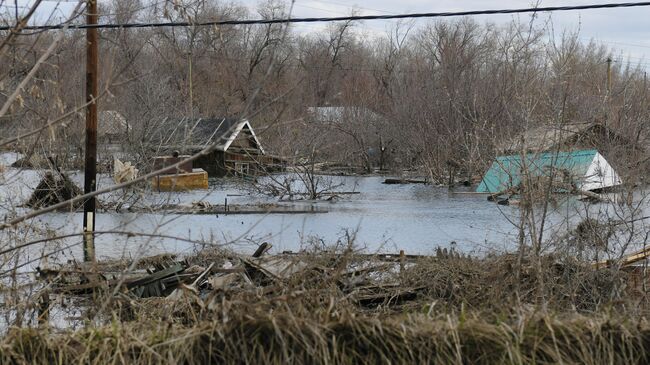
point(158, 275)
point(198, 179)
point(404, 181)
point(626, 260)
point(88, 287)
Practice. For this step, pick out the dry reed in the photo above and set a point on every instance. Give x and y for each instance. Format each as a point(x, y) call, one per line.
point(280, 338)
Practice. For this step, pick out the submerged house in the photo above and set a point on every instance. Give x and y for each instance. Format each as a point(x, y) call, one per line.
point(583, 170)
point(113, 135)
point(112, 127)
point(580, 156)
point(238, 150)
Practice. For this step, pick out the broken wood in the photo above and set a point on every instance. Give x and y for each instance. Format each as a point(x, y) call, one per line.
point(221, 282)
point(391, 181)
point(258, 274)
point(88, 288)
point(358, 276)
point(627, 260)
point(202, 275)
point(264, 247)
point(494, 197)
point(155, 285)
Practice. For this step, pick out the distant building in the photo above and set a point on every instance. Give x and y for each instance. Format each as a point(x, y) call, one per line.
point(569, 155)
point(577, 170)
point(112, 138)
point(112, 127)
point(238, 150)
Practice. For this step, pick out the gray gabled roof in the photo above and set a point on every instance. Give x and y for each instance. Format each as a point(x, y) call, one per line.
point(201, 132)
point(111, 122)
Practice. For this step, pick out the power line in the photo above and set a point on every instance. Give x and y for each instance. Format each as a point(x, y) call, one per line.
point(599, 40)
point(338, 19)
point(627, 44)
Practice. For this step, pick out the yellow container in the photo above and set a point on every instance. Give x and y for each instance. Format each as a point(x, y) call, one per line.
point(197, 179)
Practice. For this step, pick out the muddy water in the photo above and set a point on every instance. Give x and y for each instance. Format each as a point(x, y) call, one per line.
point(381, 218)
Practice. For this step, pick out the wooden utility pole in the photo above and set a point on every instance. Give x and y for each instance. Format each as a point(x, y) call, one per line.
point(90, 179)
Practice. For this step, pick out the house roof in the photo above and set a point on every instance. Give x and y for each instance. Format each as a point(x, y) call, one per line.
point(546, 137)
point(198, 133)
point(111, 122)
point(587, 169)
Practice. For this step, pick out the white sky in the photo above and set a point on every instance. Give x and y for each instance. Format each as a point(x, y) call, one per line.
point(626, 30)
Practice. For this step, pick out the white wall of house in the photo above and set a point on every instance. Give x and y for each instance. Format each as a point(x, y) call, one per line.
point(600, 174)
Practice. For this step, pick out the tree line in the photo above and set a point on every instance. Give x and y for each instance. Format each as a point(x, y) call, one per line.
point(447, 93)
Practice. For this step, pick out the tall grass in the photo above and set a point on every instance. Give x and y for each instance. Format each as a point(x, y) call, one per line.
point(281, 338)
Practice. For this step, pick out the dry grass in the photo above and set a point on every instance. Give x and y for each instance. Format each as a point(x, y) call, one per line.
point(322, 338)
point(497, 282)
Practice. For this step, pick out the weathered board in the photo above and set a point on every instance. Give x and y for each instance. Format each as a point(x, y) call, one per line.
point(197, 179)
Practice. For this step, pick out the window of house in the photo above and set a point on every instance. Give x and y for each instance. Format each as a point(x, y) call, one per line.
point(241, 168)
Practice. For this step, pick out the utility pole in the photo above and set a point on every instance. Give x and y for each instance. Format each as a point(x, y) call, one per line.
point(90, 178)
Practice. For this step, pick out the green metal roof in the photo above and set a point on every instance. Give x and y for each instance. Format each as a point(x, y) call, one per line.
point(506, 170)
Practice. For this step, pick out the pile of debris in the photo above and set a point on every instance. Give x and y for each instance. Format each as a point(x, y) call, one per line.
point(124, 171)
point(207, 285)
point(368, 283)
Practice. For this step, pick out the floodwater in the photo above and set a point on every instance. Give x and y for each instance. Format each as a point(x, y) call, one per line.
point(380, 218)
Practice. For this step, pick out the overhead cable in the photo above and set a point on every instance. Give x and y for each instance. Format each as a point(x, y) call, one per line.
point(337, 19)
